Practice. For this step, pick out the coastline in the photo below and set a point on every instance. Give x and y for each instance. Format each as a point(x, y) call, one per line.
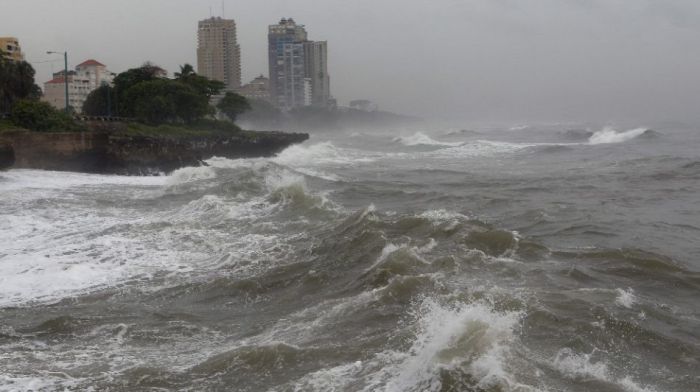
point(114, 151)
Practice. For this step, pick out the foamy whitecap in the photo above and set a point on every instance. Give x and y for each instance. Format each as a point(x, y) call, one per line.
point(609, 135)
point(578, 366)
point(421, 139)
point(479, 148)
point(190, 174)
point(472, 337)
point(625, 298)
point(319, 154)
point(18, 179)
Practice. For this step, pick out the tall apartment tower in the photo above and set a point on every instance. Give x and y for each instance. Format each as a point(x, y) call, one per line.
point(218, 52)
point(316, 69)
point(287, 66)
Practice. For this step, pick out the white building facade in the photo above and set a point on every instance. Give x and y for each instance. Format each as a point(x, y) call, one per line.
point(88, 76)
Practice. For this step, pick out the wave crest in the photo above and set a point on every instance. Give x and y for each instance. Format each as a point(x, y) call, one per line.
point(609, 135)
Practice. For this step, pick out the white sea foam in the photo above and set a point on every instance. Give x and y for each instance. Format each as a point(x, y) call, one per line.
point(471, 337)
point(9, 383)
point(625, 298)
point(609, 135)
point(421, 139)
point(27, 179)
point(441, 216)
point(479, 148)
point(578, 366)
point(58, 248)
point(189, 174)
point(319, 154)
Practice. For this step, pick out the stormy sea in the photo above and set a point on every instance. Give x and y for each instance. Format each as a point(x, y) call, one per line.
point(532, 258)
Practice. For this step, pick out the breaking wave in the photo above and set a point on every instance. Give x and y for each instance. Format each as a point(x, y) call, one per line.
point(421, 139)
point(609, 135)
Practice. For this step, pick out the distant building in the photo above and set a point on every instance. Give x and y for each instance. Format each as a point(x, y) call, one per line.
point(218, 52)
point(9, 46)
point(88, 76)
point(316, 69)
point(258, 88)
point(364, 105)
point(298, 67)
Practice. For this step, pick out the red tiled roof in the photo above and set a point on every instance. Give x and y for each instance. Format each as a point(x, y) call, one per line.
point(90, 62)
point(57, 80)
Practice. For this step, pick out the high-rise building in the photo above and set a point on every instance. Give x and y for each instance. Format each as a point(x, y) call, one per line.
point(218, 52)
point(316, 69)
point(10, 49)
point(87, 76)
point(286, 61)
point(298, 67)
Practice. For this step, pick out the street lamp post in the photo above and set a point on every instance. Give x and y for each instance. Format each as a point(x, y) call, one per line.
point(65, 75)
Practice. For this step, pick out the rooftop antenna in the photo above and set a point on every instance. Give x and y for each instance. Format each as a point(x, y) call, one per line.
point(210, 13)
point(223, 9)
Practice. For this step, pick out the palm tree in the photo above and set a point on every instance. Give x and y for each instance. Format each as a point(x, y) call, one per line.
point(185, 71)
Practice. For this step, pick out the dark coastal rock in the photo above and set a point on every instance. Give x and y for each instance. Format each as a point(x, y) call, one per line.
point(7, 155)
point(118, 153)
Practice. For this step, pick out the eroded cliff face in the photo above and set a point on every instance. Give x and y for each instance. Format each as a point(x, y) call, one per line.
point(118, 153)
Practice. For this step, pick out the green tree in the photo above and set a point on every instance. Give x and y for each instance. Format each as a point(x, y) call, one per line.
point(40, 116)
point(160, 101)
point(16, 83)
point(186, 71)
point(232, 105)
point(101, 101)
point(202, 84)
point(130, 78)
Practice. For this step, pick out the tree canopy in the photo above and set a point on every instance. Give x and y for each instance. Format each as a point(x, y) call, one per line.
point(232, 104)
point(16, 83)
point(145, 94)
point(101, 101)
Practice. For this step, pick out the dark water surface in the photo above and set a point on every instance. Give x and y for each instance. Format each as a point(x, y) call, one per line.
point(534, 259)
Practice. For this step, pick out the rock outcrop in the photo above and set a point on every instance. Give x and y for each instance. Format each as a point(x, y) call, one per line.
point(120, 153)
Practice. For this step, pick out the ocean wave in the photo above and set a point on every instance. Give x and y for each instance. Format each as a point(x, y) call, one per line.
point(609, 135)
point(472, 339)
point(480, 148)
point(319, 154)
point(421, 139)
point(585, 368)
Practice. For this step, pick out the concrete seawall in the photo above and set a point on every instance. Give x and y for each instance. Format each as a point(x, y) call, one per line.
point(118, 153)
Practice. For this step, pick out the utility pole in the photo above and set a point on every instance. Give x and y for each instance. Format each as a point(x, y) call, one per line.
point(65, 76)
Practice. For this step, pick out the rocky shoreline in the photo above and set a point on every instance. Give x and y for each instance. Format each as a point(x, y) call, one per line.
point(125, 154)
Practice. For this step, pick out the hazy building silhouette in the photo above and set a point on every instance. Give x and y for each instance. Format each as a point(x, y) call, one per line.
point(316, 69)
point(218, 51)
point(258, 88)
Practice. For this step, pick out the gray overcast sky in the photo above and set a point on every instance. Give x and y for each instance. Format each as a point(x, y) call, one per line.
point(603, 60)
